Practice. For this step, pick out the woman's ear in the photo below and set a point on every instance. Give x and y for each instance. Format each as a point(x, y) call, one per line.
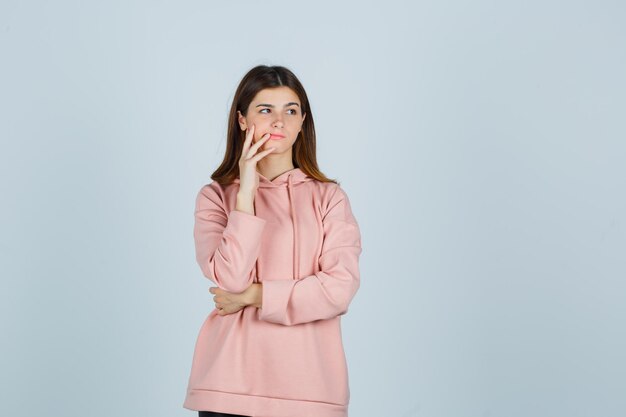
point(303, 117)
point(242, 121)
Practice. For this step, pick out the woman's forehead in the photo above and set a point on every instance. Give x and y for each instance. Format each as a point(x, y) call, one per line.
point(277, 96)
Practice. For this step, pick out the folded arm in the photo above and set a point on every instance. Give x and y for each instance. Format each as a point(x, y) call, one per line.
point(327, 293)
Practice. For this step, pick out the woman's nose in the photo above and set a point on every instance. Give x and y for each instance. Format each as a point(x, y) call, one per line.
point(278, 121)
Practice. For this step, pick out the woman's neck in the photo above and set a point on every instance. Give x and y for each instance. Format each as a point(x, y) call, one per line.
point(272, 168)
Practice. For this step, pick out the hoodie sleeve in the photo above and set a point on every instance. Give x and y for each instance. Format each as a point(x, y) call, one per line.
point(227, 245)
point(327, 293)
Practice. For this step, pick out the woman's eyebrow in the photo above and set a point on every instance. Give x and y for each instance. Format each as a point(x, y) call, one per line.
point(292, 103)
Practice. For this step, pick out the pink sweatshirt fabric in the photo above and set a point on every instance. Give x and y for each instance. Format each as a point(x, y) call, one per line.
point(285, 359)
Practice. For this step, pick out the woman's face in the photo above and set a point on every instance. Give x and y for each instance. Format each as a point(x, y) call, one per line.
point(276, 111)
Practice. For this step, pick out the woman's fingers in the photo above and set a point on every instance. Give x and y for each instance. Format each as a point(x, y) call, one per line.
point(246, 143)
point(261, 154)
point(227, 303)
point(252, 150)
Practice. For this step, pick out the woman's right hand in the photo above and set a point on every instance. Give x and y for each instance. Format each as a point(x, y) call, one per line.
point(248, 175)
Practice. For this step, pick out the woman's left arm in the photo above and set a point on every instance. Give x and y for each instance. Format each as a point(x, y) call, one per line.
point(327, 293)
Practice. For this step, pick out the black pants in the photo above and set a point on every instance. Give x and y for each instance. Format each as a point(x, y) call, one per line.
point(214, 414)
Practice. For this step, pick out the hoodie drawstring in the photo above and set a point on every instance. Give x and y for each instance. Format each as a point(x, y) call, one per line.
point(296, 260)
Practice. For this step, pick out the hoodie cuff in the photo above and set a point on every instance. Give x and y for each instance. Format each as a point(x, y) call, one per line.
point(275, 299)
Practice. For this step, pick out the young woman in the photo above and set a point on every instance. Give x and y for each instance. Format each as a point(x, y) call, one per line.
point(280, 241)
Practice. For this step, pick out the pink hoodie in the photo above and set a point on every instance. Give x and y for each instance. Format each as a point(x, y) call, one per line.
point(285, 359)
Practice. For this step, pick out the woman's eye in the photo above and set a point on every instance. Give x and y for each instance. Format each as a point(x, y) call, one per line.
point(291, 110)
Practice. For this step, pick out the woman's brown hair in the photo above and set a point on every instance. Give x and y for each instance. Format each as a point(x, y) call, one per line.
point(303, 152)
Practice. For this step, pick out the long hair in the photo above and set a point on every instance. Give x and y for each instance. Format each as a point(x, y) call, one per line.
point(303, 152)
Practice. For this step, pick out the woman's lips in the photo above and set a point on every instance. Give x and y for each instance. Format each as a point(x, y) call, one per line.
point(276, 137)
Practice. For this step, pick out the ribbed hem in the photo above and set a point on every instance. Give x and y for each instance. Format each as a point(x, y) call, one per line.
point(259, 406)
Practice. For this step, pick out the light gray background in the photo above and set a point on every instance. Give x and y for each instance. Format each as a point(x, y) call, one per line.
point(482, 145)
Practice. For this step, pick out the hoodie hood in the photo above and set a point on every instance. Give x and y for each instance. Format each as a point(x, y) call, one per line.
point(288, 179)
